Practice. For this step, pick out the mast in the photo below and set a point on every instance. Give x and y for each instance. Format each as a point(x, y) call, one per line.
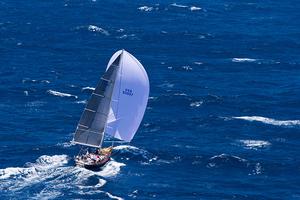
point(92, 124)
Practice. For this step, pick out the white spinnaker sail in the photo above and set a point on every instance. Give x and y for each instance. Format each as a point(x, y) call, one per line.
point(129, 99)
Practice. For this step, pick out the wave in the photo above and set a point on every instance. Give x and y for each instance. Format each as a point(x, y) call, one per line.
point(226, 160)
point(187, 68)
point(198, 63)
point(42, 163)
point(178, 5)
point(81, 102)
point(65, 144)
point(180, 94)
point(45, 167)
point(196, 104)
point(153, 98)
point(88, 89)
point(97, 29)
point(270, 121)
point(191, 8)
point(125, 36)
point(145, 8)
point(254, 144)
point(56, 175)
point(61, 94)
point(166, 85)
point(27, 80)
point(194, 8)
point(131, 150)
point(243, 60)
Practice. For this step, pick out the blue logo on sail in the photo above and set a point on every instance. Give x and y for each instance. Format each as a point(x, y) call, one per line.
point(128, 92)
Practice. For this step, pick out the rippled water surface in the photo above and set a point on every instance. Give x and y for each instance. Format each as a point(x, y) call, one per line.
point(223, 118)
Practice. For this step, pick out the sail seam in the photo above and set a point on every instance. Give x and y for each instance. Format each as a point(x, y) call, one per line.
point(120, 85)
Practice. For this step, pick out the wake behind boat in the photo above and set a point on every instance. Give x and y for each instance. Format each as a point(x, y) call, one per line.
point(115, 108)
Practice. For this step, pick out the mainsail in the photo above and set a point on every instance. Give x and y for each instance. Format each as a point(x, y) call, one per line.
point(118, 103)
point(91, 126)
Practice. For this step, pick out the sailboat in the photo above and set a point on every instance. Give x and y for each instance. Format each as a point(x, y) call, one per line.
point(115, 109)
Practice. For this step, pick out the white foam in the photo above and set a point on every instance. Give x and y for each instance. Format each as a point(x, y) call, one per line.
point(61, 94)
point(257, 169)
point(198, 63)
point(120, 30)
point(243, 60)
point(152, 98)
point(126, 36)
point(134, 150)
point(112, 168)
point(167, 85)
point(254, 144)
point(270, 121)
point(45, 81)
point(45, 162)
point(226, 157)
point(196, 104)
point(112, 196)
point(45, 168)
point(145, 8)
point(187, 68)
point(66, 144)
point(180, 94)
point(81, 102)
point(97, 29)
point(178, 5)
point(126, 147)
point(88, 88)
point(194, 8)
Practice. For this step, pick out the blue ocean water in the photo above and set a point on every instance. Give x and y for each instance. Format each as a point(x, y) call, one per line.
point(223, 118)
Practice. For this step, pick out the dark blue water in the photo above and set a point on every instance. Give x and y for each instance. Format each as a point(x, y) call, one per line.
point(223, 118)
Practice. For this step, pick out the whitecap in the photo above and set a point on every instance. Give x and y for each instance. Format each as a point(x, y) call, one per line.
point(16, 178)
point(45, 81)
point(196, 104)
point(88, 88)
point(167, 85)
point(254, 144)
point(270, 121)
point(180, 94)
point(132, 150)
point(243, 60)
point(198, 63)
point(112, 168)
point(97, 29)
point(113, 196)
point(227, 157)
point(126, 36)
point(152, 98)
point(194, 8)
point(120, 30)
point(26, 93)
point(61, 94)
point(257, 169)
point(66, 144)
point(145, 8)
point(81, 102)
point(187, 68)
point(178, 5)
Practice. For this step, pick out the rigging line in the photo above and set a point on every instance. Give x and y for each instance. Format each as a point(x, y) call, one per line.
point(120, 84)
